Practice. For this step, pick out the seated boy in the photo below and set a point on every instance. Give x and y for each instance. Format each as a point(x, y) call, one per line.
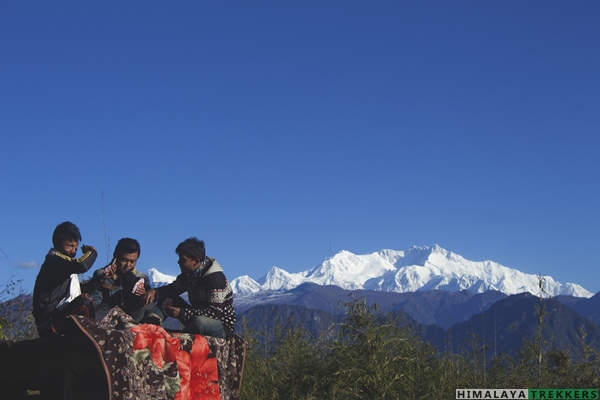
point(121, 288)
point(211, 311)
point(57, 292)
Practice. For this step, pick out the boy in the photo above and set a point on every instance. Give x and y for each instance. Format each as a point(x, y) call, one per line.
point(57, 293)
point(211, 311)
point(121, 288)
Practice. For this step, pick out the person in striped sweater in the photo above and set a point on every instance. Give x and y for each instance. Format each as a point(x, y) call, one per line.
point(211, 312)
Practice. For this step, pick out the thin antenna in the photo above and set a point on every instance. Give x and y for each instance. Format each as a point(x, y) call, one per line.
point(106, 242)
point(6, 255)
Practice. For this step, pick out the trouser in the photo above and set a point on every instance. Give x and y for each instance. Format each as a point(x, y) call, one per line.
point(55, 324)
point(148, 314)
point(205, 326)
point(200, 324)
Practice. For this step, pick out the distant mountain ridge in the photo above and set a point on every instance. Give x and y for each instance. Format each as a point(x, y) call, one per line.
point(508, 322)
point(447, 298)
point(414, 270)
point(499, 327)
point(434, 307)
point(430, 284)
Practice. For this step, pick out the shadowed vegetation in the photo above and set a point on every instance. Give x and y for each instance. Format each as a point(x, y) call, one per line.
point(372, 355)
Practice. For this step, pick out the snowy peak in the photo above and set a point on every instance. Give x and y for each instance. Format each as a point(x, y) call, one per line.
point(415, 256)
point(391, 256)
point(348, 270)
point(416, 269)
point(434, 255)
point(245, 284)
point(158, 279)
point(278, 279)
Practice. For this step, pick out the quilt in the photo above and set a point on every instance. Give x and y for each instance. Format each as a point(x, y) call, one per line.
point(143, 361)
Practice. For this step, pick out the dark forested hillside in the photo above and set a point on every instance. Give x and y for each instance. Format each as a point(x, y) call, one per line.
point(510, 322)
point(502, 327)
point(428, 307)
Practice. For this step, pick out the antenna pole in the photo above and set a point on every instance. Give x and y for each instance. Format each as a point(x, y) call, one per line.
point(106, 244)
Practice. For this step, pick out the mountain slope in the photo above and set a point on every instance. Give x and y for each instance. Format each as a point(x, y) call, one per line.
point(509, 322)
point(588, 308)
point(435, 307)
point(502, 328)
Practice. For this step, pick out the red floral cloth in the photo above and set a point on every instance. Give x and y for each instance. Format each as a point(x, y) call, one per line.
point(144, 362)
point(162, 345)
point(198, 373)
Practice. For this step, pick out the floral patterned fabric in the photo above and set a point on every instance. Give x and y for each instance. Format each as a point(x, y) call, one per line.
point(147, 362)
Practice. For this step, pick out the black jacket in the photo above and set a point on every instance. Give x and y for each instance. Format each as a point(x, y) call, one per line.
point(119, 291)
point(53, 280)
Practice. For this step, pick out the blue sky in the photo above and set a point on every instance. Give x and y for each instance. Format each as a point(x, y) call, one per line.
point(282, 132)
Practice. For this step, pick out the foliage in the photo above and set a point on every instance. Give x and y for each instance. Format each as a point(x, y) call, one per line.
point(16, 320)
point(370, 355)
point(375, 356)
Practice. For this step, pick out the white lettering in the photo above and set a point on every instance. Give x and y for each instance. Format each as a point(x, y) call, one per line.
point(492, 394)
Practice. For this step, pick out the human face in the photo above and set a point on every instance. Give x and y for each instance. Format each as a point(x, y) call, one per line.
point(68, 247)
point(126, 262)
point(187, 264)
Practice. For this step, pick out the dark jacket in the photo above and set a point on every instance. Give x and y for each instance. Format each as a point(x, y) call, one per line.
point(209, 293)
point(117, 291)
point(53, 281)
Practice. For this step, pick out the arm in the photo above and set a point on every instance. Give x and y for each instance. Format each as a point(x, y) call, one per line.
point(217, 295)
point(99, 276)
point(171, 290)
point(76, 265)
point(92, 284)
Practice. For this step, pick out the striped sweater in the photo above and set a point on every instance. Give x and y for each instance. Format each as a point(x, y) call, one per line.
point(209, 293)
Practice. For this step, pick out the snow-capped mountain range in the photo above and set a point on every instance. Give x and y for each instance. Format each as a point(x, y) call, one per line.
point(416, 269)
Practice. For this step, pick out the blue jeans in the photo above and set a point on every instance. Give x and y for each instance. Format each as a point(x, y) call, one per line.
point(200, 324)
point(205, 326)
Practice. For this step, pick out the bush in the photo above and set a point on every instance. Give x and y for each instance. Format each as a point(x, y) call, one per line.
point(16, 320)
point(375, 356)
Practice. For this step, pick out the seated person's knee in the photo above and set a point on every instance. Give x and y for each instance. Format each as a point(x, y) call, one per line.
point(205, 326)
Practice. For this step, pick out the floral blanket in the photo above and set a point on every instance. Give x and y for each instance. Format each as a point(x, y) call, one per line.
point(147, 362)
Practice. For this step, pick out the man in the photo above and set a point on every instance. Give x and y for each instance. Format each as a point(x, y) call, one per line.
point(57, 292)
point(211, 311)
point(125, 286)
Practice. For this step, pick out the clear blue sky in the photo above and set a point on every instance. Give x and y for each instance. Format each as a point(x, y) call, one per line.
point(282, 132)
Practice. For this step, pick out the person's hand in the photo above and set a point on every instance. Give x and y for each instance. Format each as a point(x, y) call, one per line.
point(150, 295)
point(103, 274)
point(85, 248)
point(109, 270)
point(171, 311)
point(140, 291)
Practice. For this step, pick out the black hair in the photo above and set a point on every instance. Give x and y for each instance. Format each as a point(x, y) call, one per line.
point(191, 248)
point(65, 231)
point(126, 246)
